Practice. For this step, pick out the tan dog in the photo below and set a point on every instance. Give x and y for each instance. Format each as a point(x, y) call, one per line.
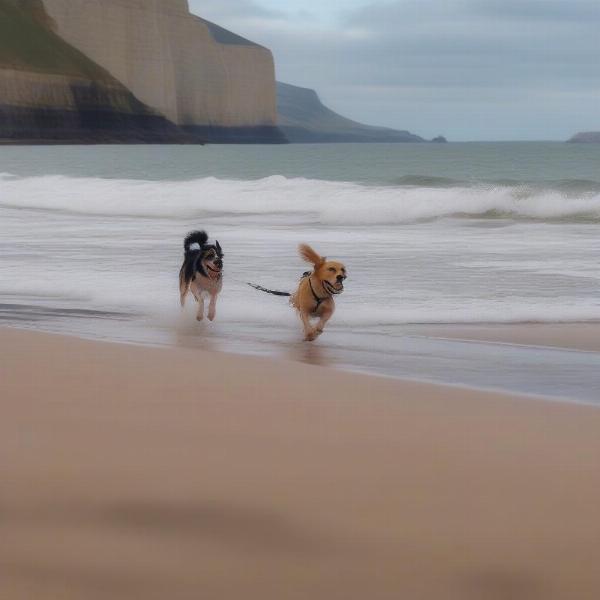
point(314, 296)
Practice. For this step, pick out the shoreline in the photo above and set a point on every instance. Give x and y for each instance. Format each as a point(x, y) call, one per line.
point(163, 471)
point(309, 363)
point(578, 337)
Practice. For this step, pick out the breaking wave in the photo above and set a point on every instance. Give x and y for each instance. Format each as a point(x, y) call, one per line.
point(306, 200)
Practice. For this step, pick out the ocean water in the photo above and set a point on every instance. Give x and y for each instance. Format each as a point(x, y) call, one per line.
point(91, 244)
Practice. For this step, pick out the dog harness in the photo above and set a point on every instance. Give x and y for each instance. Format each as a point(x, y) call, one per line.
point(318, 300)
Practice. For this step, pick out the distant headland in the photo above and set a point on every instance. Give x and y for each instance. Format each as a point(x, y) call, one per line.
point(303, 118)
point(586, 137)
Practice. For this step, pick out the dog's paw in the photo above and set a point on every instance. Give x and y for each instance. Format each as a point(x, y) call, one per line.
point(199, 318)
point(211, 316)
point(311, 336)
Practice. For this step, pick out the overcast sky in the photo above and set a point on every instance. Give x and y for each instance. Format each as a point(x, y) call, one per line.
point(468, 69)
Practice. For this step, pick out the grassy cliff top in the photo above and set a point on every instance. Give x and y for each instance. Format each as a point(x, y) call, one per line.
point(27, 43)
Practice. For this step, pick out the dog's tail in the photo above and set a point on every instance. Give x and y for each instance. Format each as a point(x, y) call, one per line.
point(272, 292)
point(310, 255)
point(195, 237)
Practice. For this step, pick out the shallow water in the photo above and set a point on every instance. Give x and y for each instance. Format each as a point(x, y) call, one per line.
point(90, 243)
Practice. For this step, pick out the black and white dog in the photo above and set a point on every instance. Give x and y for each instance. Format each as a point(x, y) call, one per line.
point(201, 272)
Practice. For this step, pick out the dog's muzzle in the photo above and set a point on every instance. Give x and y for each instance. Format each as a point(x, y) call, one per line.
point(331, 289)
point(215, 270)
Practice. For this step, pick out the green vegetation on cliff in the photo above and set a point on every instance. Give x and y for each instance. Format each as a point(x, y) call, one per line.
point(28, 43)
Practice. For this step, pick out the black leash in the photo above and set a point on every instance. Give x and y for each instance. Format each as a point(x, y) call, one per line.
point(272, 292)
point(318, 300)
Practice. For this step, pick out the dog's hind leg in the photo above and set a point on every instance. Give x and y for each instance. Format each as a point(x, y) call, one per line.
point(184, 287)
point(212, 307)
point(183, 292)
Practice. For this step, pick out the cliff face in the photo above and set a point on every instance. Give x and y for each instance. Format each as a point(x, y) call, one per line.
point(51, 91)
point(198, 75)
point(304, 118)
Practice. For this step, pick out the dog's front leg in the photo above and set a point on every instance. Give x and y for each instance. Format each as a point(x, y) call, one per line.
point(200, 313)
point(212, 307)
point(326, 314)
point(309, 331)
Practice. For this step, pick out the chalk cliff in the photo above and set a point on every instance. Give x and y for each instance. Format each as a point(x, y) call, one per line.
point(586, 137)
point(304, 118)
point(203, 78)
point(49, 91)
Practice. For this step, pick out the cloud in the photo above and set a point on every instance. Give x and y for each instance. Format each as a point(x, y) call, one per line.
point(539, 10)
point(434, 42)
point(468, 68)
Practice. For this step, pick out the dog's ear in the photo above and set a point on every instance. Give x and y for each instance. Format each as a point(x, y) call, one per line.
point(310, 256)
point(219, 250)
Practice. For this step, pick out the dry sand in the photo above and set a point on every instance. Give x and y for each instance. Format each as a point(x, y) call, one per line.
point(133, 473)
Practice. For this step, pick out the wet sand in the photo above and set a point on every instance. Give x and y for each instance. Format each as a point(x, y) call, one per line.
point(135, 472)
point(573, 336)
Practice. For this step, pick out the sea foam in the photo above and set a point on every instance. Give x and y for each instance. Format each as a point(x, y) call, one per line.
point(305, 200)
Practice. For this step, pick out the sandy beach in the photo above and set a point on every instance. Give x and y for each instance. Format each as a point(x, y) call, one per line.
point(134, 472)
point(421, 179)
